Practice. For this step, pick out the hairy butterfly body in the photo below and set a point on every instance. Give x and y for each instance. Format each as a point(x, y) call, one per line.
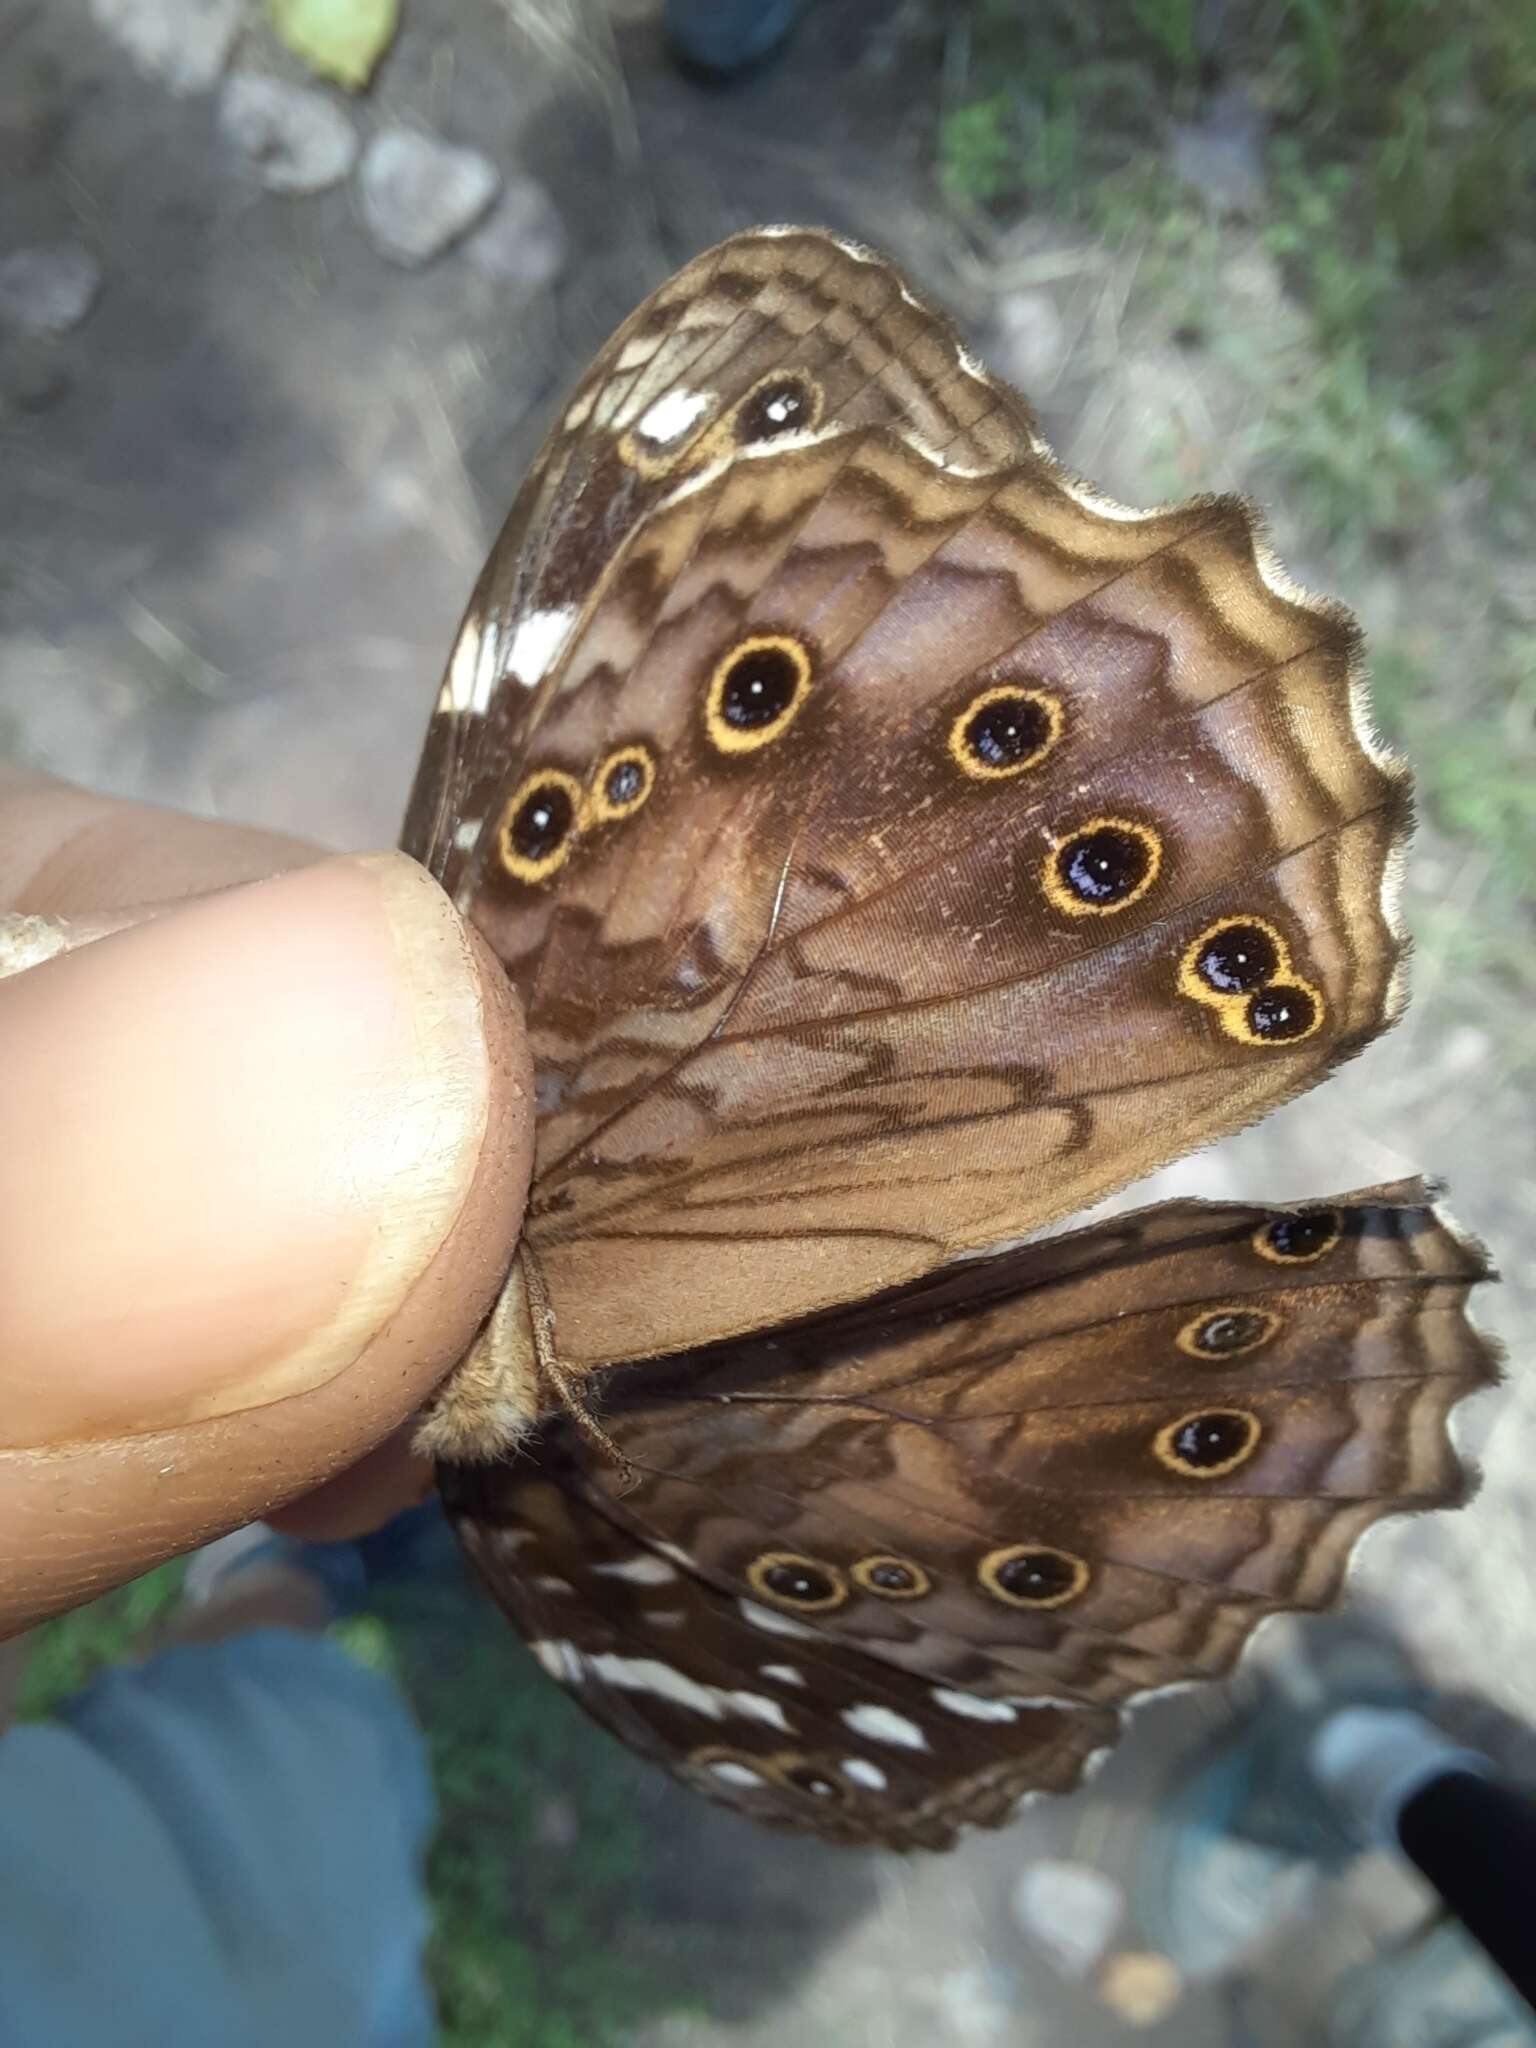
point(895, 847)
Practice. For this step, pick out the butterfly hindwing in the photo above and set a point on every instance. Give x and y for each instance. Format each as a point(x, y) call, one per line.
point(972, 1519)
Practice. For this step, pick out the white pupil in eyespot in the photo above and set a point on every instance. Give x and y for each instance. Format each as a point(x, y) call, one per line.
point(780, 410)
point(541, 818)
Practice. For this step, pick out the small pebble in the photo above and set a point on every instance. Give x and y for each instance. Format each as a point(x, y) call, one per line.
point(292, 138)
point(523, 242)
point(419, 194)
point(183, 43)
point(47, 289)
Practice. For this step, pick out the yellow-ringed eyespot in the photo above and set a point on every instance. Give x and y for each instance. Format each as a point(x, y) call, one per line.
point(1102, 867)
point(788, 1579)
point(1282, 1014)
point(1033, 1575)
point(540, 824)
point(621, 785)
point(756, 692)
point(1004, 731)
point(1209, 1443)
point(892, 1578)
point(1300, 1238)
point(1217, 1334)
point(1232, 958)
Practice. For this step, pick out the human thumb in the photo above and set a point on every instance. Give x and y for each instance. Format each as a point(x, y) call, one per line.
point(263, 1160)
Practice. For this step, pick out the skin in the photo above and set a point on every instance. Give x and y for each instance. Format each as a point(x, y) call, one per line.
point(265, 1138)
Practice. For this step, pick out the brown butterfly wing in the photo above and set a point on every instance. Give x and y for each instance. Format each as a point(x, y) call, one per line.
point(936, 1540)
point(652, 411)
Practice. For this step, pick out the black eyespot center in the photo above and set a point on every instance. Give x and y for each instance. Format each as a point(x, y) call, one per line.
point(542, 820)
point(1209, 1444)
point(1230, 1332)
point(757, 690)
point(1227, 1332)
point(759, 687)
point(1104, 866)
point(1280, 1012)
point(791, 1580)
point(784, 405)
point(1297, 1239)
point(1237, 958)
point(1033, 1575)
point(1008, 731)
point(625, 779)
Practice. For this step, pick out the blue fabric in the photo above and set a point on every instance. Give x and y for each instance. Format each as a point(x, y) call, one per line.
point(219, 1849)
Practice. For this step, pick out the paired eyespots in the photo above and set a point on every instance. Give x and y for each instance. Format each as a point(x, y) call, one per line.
point(1208, 1444)
point(1102, 867)
point(1033, 1575)
point(892, 1578)
point(1218, 1334)
point(549, 810)
point(788, 1579)
point(757, 691)
point(1300, 1238)
point(1005, 731)
point(1241, 968)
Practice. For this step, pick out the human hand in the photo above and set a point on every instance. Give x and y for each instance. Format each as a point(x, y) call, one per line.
point(263, 1159)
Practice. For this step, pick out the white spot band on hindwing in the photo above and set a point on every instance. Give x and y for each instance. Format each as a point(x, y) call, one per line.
point(973, 1707)
point(649, 1674)
point(880, 1724)
point(638, 1571)
point(864, 1773)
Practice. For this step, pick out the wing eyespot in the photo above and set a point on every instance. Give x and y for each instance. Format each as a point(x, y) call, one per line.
point(804, 1585)
point(1033, 1575)
point(1102, 867)
point(622, 784)
point(1005, 731)
point(756, 692)
point(1240, 967)
point(1300, 1238)
point(1209, 1443)
point(540, 824)
point(1217, 1334)
point(891, 1577)
point(784, 402)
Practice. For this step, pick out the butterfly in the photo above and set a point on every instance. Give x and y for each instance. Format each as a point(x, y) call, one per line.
point(896, 846)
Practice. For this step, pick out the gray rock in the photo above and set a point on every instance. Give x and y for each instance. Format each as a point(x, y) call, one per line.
point(1222, 156)
point(419, 194)
point(47, 289)
point(523, 242)
point(291, 137)
point(1032, 340)
point(183, 43)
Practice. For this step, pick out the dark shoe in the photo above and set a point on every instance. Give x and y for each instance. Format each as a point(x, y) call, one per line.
point(719, 38)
